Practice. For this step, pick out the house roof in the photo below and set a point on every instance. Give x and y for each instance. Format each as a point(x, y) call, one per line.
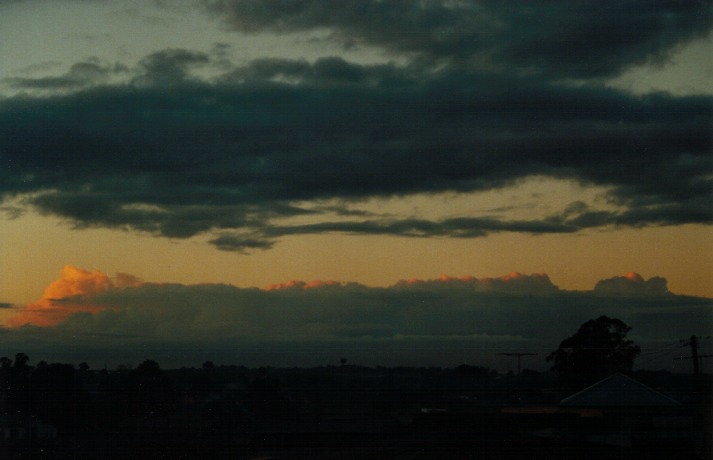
point(618, 390)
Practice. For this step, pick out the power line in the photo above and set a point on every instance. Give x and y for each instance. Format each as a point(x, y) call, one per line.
point(667, 347)
point(695, 357)
point(658, 353)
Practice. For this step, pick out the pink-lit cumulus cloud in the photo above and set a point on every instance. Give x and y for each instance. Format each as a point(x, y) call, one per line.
point(58, 301)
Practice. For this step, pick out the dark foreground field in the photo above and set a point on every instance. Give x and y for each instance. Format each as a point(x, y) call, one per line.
point(57, 411)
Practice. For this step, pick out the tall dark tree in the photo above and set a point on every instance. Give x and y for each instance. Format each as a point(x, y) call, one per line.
point(598, 349)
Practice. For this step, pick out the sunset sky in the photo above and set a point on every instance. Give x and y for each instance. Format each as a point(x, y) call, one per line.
point(291, 175)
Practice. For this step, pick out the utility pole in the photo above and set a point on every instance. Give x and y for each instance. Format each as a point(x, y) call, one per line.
point(519, 355)
point(701, 412)
point(697, 359)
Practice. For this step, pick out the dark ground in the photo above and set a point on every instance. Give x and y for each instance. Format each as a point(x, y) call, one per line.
point(345, 412)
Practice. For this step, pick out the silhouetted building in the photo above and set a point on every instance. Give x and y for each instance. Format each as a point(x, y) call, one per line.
point(622, 411)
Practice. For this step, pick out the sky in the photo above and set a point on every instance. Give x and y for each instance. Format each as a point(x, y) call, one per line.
point(284, 181)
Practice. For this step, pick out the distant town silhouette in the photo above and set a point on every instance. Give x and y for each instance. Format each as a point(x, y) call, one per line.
point(60, 410)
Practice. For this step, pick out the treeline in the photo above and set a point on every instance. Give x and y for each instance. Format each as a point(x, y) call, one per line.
point(77, 400)
point(214, 401)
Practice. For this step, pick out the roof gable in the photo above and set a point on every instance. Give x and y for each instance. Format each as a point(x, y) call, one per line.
point(618, 390)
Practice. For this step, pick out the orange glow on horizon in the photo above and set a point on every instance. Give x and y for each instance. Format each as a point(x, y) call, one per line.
point(296, 284)
point(512, 276)
point(60, 298)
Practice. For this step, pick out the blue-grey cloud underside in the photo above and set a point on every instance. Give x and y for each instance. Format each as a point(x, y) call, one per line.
point(177, 155)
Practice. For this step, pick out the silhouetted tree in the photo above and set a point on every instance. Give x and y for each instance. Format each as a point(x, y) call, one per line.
point(17, 381)
point(598, 349)
point(21, 361)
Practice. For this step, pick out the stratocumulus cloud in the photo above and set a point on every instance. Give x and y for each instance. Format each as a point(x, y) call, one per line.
point(576, 39)
point(419, 321)
point(478, 96)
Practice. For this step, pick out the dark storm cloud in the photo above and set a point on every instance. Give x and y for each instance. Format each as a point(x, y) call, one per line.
point(463, 227)
point(446, 321)
point(478, 105)
point(176, 221)
point(193, 156)
point(580, 39)
point(459, 227)
point(324, 71)
point(80, 75)
point(241, 243)
point(169, 67)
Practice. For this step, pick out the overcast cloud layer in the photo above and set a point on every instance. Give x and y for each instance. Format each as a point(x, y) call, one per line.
point(479, 95)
